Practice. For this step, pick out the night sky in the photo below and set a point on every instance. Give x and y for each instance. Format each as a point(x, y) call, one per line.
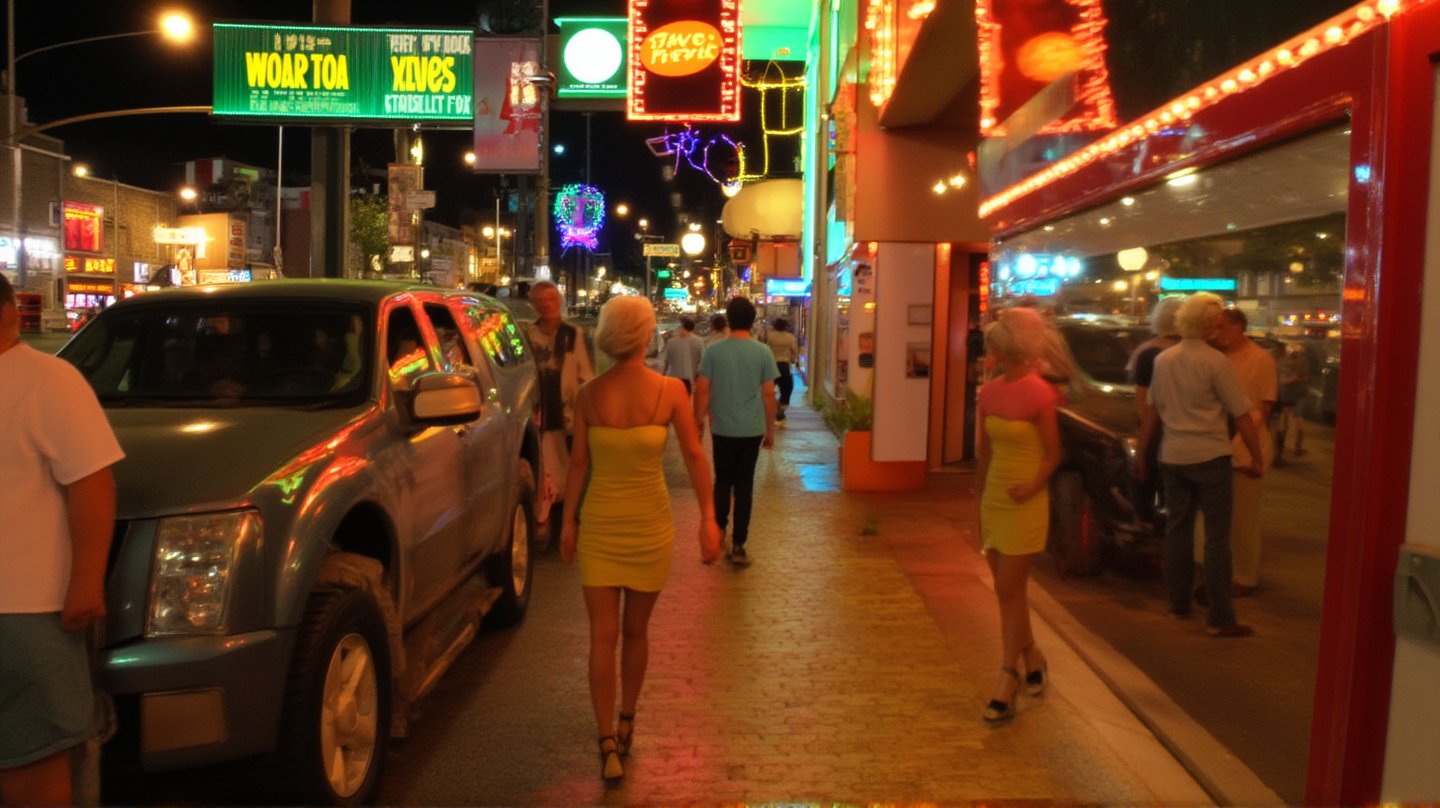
point(1159, 48)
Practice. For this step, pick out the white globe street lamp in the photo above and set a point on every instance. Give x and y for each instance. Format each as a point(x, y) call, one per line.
point(693, 244)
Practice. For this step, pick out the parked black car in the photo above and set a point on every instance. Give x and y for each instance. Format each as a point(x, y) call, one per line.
point(1098, 509)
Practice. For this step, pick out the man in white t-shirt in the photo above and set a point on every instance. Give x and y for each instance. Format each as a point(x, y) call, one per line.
point(57, 496)
point(1258, 375)
point(1195, 392)
point(682, 354)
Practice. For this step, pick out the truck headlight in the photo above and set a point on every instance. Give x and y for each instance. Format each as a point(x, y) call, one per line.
point(194, 563)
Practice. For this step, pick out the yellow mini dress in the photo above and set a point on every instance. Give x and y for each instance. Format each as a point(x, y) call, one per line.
point(1016, 452)
point(627, 536)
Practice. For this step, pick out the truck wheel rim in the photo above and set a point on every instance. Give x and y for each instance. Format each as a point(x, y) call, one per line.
point(519, 551)
point(349, 715)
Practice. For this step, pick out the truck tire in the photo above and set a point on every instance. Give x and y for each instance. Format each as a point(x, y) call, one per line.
point(511, 569)
point(1075, 534)
point(335, 724)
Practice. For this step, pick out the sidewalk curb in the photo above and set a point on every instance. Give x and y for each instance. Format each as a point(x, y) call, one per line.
point(1223, 776)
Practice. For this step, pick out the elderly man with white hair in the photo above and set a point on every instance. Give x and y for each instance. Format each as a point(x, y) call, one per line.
point(1196, 394)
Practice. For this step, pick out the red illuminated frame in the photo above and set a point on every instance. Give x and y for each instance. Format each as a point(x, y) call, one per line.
point(84, 226)
point(641, 81)
point(1095, 104)
point(1383, 75)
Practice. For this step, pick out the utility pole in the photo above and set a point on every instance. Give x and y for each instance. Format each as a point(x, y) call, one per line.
point(16, 159)
point(330, 175)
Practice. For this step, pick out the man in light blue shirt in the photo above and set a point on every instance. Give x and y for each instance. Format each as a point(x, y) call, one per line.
point(736, 391)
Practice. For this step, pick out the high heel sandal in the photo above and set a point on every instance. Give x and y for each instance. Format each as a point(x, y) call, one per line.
point(611, 769)
point(623, 738)
point(998, 711)
point(1035, 678)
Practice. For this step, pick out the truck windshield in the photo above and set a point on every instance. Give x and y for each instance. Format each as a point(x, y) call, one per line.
point(213, 354)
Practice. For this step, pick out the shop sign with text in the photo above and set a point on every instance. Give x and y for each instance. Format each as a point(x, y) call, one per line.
point(86, 265)
point(592, 57)
point(342, 74)
point(684, 60)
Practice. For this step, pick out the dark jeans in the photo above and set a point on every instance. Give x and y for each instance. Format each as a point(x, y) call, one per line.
point(1207, 486)
point(786, 385)
point(735, 470)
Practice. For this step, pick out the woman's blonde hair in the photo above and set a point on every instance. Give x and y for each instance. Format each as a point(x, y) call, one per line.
point(1017, 335)
point(1199, 315)
point(626, 324)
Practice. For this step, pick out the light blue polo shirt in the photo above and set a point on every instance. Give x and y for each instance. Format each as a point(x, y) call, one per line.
point(1194, 389)
point(736, 368)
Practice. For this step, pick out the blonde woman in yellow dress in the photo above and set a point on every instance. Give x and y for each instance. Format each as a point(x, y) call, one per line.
point(624, 535)
point(1018, 448)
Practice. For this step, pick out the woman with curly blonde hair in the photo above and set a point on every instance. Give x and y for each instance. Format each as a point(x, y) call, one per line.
point(1018, 448)
point(623, 537)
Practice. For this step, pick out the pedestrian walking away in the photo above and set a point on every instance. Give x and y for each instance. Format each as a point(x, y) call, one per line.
point(623, 536)
point(1017, 449)
point(563, 365)
point(57, 494)
point(735, 391)
point(682, 354)
point(786, 350)
point(1195, 393)
point(719, 329)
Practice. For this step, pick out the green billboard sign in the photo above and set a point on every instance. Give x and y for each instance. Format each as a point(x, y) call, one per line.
point(319, 73)
point(593, 57)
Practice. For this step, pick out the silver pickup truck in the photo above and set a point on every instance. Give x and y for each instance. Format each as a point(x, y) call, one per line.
point(328, 487)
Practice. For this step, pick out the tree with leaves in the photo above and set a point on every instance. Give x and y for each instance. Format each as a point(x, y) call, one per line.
point(369, 228)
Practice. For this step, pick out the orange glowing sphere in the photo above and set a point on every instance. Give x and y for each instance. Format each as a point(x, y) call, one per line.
point(1049, 56)
point(680, 48)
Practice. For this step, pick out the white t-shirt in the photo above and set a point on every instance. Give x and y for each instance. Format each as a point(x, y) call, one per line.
point(52, 433)
point(1194, 389)
point(1256, 369)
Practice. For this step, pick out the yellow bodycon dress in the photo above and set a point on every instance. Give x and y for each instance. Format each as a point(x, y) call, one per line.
point(1013, 528)
point(626, 533)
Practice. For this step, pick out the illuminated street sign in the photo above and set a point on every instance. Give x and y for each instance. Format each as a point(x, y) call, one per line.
point(1197, 284)
point(592, 57)
point(787, 287)
point(321, 73)
point(672, 293)
point(662, 250)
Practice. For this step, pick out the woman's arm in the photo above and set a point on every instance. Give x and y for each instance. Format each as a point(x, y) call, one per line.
point(1049, 427)
point(982, 451)
point(688, 436)
point(575, 478)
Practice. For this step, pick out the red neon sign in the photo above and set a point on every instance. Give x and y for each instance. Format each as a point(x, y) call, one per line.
point(1025, 46)
point(83, 226)
point(684, 60)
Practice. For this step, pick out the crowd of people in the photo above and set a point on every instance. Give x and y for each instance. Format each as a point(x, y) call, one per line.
point(1204, 395)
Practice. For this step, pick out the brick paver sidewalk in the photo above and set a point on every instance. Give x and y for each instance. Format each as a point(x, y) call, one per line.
point(821, 674)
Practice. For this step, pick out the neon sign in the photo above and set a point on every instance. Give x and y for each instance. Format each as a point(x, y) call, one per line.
point(579, 213)
point(684, 60)
point(1061, 37)
point(592, 57)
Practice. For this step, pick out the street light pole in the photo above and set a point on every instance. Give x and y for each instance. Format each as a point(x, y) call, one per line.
point(12, 124)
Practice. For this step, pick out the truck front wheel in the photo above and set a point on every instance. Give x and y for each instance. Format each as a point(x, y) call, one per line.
point(335, 727)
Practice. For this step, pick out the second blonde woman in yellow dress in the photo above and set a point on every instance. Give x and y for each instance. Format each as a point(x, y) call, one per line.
point(1017, 449)
point(623, 536)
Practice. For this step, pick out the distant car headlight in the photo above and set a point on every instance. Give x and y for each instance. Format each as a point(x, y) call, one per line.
point(194, 563)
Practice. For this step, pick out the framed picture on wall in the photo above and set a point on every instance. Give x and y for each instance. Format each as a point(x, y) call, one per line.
point(919, 314)
point(917, 360)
